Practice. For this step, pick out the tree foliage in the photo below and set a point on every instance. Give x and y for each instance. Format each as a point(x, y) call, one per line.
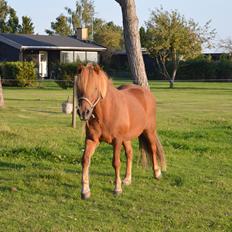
point(109, 35)
point(60, 26)
point(171, 38)
point(82, 15)
point(12, 25)
point(9, 21)
point(4, 10)
point(226, 45)
point(27, 26)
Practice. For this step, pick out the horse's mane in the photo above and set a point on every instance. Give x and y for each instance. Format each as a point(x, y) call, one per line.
point(92, 77)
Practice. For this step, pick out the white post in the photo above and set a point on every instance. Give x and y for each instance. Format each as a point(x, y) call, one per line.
point(74, 113)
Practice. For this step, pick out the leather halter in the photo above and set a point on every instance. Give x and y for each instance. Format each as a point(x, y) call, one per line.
point(92, 105)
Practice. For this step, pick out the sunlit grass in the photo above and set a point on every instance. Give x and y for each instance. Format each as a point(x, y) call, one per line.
point(40, 166)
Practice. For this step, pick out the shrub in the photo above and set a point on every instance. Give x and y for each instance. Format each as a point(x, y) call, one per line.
point(224, 69)
point(18, 73)
point(65, 74)
point(197, 70)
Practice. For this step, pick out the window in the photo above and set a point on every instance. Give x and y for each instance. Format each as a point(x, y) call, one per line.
point(79, 56)
point(75, 56)
point(66, 56)
point(92, 57)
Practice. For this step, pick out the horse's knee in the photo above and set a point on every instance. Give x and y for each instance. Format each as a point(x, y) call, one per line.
point(116, 164)
point(85, 161)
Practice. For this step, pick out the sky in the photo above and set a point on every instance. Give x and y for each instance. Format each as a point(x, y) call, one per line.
point(43, 12)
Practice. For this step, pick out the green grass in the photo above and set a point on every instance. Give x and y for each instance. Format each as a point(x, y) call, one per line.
point(40, 169)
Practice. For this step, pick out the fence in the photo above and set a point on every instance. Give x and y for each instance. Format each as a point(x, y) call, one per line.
point(54, 84)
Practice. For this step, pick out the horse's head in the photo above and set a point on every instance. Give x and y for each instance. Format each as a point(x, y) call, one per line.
point(91, 88)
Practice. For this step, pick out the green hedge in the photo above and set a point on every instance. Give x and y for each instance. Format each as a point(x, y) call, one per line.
point(205, 69)
point(65, 74)
point(18, 73)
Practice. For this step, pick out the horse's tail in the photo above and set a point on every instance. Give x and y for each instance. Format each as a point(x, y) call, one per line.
point(160, 153)
point(147, 153)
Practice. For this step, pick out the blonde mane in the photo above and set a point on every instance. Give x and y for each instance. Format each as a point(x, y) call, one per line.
point(92, 77)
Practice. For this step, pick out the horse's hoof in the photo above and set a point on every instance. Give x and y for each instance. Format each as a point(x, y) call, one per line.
point(117, 192)
point(126, 182)
point(85, 196)
point(158, 177)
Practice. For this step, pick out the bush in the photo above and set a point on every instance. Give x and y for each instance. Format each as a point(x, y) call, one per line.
point(205, 70)
point(18, 73)
point(65, 74)
point(197, 70)
point(224, 69)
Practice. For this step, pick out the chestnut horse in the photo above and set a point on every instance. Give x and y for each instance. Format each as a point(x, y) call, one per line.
point(116, 116)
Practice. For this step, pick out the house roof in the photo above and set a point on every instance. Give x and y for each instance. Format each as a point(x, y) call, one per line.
point(48, 42)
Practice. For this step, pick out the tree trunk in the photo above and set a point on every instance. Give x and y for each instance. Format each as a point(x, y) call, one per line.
point(132, 42)
point(171, 84)
point(1, 95)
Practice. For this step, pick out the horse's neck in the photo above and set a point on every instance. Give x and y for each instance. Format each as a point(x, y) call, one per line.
point(107, 102)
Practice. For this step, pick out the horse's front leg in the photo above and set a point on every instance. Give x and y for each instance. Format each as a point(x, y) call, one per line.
point(116, 164)
point(90, 147)
point(129, 155)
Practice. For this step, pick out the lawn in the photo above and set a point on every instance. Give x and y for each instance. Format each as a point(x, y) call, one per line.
point(40, 168)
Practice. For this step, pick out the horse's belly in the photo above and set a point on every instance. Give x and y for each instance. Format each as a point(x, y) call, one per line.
point(107, 139)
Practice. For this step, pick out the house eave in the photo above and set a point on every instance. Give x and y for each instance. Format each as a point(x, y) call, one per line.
point(61, 48)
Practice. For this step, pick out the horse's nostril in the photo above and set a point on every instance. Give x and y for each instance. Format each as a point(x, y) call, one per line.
point(87, 112)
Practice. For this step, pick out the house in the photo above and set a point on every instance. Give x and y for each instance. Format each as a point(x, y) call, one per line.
point(47, 50)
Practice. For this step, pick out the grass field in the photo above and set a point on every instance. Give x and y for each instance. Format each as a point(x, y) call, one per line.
point(40, 169)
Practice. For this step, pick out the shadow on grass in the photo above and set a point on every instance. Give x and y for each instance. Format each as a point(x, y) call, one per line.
point(5, 165)
point(45, 111)
point(5, 189)
point(31, 99)
point(191, 88)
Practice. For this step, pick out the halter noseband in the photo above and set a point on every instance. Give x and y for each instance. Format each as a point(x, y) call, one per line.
point(92, 105)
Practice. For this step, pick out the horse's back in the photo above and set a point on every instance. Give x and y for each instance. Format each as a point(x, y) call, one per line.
point(142, 95)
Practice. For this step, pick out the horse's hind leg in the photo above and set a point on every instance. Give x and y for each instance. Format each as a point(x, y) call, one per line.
point(150, 136)
point(129, 155)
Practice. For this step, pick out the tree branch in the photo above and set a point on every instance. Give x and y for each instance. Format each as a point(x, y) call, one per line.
point(119, 1)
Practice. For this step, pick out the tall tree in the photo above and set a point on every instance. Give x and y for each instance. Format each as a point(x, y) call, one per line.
point(143, 39)
point(108, 35)
point(12, 25)
point(226, 45)
point(171, 38)
point(60, 26)
point(27, 26)
point(82, 15)
point(4, 10)
point(132, 41)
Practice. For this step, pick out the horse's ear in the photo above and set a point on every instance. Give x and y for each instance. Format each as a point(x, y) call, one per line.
point(79, 68)
point(97, 68)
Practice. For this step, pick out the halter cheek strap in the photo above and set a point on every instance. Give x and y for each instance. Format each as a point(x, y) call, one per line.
point(92, 105)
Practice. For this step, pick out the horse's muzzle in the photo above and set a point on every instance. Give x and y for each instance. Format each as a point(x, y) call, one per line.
point(85, 115)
